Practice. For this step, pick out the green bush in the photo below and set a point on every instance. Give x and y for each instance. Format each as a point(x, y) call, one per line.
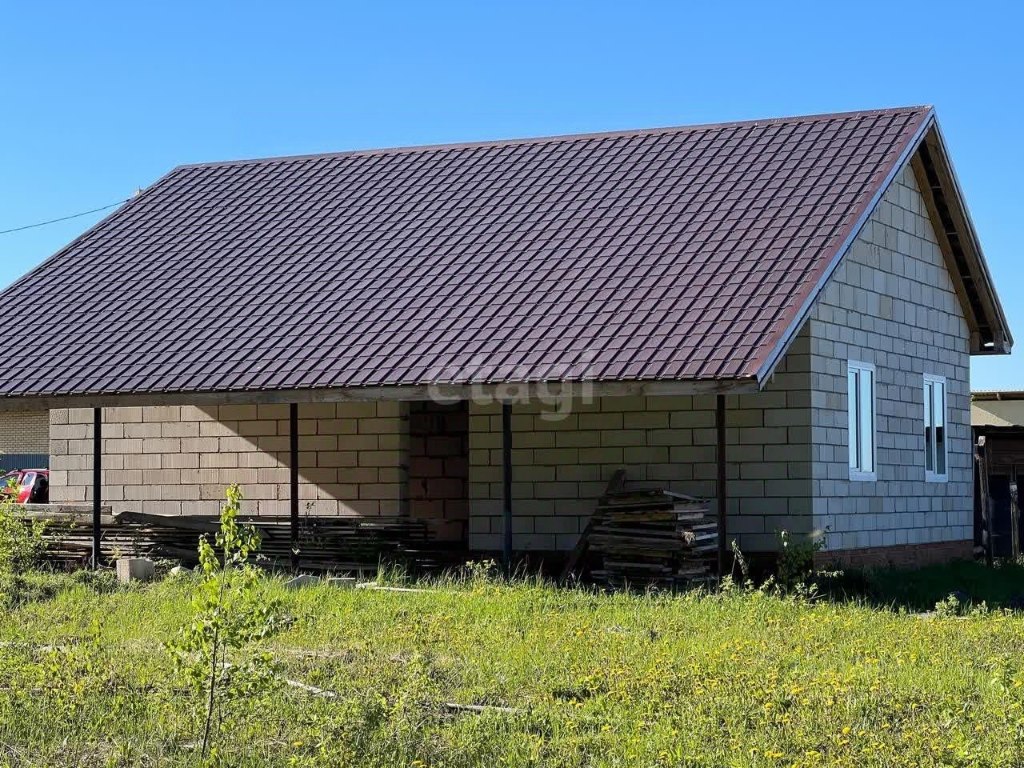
point(21, 539)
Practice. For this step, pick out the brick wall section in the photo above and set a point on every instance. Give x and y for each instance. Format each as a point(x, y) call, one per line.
point(439, 467)
point(899, 556)
point(891, 303)
point(561, 466)
point(178, 460)
point(27, 432)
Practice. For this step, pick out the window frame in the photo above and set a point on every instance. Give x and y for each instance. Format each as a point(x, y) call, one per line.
point(858, 473)
point(930, 475)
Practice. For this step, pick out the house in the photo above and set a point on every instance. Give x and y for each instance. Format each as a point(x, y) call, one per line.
point(24, 440)
point(998, 417)
point(775, 314)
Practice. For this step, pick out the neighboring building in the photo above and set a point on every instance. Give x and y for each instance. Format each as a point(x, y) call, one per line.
point(24, 440)
point(817, 280)
point(999, 418)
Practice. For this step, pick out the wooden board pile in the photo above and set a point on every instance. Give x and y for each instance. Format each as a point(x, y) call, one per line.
point(325, 543)
point(68, 533)
point(334, 544)
point(649, 538)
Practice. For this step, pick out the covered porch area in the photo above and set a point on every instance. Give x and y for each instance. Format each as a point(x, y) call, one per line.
point(489, 472)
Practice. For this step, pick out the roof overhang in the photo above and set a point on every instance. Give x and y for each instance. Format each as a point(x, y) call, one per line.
point(998, 396)
point(543, 392)
point(961, 249)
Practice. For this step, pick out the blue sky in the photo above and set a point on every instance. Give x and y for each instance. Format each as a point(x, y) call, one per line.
point(100, 99)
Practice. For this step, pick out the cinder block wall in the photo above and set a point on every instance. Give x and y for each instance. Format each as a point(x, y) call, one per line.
point(179, 459)
point(561, 466)
point(24, 432)
point(892, 303)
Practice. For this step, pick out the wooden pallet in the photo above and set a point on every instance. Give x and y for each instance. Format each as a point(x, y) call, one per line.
point(644, 537)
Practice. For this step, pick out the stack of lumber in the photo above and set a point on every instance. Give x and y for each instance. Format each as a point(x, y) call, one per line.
point(68, 533)
point(649, 538)
point(325, 543)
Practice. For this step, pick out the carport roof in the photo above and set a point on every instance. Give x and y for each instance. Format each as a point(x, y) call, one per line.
point(685, 256)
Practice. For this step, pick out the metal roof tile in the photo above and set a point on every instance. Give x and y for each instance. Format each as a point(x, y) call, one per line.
point(669, 253)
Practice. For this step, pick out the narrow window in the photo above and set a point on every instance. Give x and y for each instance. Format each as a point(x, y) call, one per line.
point(861, 405)
point(935, 428)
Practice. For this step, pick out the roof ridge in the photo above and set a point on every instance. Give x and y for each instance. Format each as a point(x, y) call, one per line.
point(585, 136)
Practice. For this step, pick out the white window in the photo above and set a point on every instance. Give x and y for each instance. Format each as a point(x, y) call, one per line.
point(935, 428)
point(861, 406)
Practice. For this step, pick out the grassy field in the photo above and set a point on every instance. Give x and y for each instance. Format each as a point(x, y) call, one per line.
point(737, 679)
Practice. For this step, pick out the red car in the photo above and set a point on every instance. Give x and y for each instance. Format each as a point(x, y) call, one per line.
point(28, 486)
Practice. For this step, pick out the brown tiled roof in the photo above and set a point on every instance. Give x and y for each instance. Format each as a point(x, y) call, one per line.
point(680, 254)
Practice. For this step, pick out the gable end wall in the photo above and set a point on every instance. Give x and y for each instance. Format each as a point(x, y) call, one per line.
point(891, 302)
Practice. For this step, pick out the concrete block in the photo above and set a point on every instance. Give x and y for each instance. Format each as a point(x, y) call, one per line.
point(199, 444)
point(623, 437)
point(161, 413)
point(646, 420)
point(318, 411)
point(272, 411)
point(253, 430)
point(217, 428)
point(140, 430)
point(600, 421)
point(302, 580)
point(135, 569)
point(80, 416)
point(161, 445)
point(237, 413)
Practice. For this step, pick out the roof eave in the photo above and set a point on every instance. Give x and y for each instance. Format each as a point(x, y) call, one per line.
point(484, 393)
point(961, 247)
point(996, 395)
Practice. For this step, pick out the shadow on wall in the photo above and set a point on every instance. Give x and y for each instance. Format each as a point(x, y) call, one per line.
point(438, 463)
point(351, 456)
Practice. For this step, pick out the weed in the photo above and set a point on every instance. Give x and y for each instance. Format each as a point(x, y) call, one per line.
point(481, 572)
point(739, 561)
point(796, 557)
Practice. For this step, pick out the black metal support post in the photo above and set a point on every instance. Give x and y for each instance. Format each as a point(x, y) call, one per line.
point(981, 465)
point(1014, 523)
point(506, 482)
point(293, 445)
point(97, 483)
point(723, 530)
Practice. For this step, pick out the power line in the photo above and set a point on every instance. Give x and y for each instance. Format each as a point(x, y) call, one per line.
point(62, 218)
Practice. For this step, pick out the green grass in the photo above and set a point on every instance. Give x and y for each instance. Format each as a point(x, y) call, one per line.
point(738, 679)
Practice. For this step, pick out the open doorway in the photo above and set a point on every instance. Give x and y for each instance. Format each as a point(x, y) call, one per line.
point(439, 468)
